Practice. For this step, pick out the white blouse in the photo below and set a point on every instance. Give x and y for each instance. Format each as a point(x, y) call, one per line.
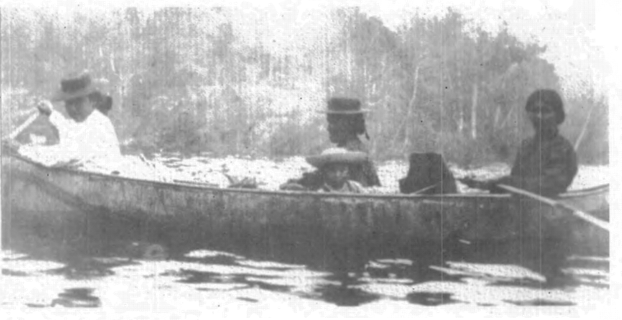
point(92, 141)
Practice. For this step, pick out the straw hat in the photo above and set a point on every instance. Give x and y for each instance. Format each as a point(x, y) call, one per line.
point(344, 106)
point(74, 87)
point(337, 155)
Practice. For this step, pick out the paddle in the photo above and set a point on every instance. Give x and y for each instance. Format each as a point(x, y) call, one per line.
point(196, 183)
point(24, 125)
point(425, 189)
point(556, 204)
point(244, 183)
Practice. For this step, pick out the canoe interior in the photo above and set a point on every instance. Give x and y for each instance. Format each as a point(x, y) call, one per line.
point(68, 204)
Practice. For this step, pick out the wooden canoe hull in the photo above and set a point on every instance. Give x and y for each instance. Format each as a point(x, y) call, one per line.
point(380, 225)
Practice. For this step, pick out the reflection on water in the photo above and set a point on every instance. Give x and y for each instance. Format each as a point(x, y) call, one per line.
point(540, 302)
point(77, 297)
point(431, 298)
point(75, 278)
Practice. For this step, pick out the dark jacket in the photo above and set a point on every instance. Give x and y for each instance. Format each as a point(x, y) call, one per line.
point(364, 173)
point(543, 165)
point(428, 174)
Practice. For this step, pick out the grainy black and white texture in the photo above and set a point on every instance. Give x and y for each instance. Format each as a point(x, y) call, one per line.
point(206, 93)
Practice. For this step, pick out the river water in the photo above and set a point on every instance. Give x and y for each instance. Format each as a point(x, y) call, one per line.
point(39, 274)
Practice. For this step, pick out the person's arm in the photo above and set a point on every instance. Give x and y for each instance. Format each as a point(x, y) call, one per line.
point(109, 141)
point(371, 174)
point(356, 187)
point(491, 184)
point(483, 184)
point(365, 173)
point(64, 126)
point(49, 156)
point(309, 181)
point(559, 168)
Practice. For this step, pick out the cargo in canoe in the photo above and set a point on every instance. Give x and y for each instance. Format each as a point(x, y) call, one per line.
point(56, 202)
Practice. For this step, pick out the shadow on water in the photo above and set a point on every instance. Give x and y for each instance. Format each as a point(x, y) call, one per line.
point(343, 295)
point(431, 298)
point(85, 258)
point(13, 273)
point(77, 298)
point(194, 277)
point(77, 254)
point(87, 268)
point(72, 298)
point(220, 259)
point(548, 257)
point(540, 302)
point(93, 260)
point(336, 288)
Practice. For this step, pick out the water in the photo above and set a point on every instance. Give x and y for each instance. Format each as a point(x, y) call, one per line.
point(38, 273)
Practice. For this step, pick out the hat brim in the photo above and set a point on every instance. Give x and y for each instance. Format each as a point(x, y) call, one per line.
point(347, 158)
point(64, 96)
point(362, 111)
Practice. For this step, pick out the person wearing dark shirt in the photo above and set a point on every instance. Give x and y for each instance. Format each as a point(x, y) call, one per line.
point(427, 174)
point(546, 163)
point(346, 122)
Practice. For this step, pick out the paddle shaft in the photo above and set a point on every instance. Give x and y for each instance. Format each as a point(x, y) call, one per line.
point(425, 189)
point(196, 183)
point(24, 125)
point(578, 213)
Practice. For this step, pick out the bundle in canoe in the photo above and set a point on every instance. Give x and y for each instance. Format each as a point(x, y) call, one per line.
point(205, 216)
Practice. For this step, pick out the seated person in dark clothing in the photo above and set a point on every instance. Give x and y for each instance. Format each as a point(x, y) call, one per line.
point(345, 124)
point(333, 168)
point(428, 174)
point(546, 163)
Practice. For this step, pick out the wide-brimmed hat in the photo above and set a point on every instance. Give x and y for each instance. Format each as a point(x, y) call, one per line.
point(344, 106)
point(337, 155)
point(74, 87)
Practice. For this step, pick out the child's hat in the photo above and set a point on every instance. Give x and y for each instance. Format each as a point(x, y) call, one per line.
point(337, 155)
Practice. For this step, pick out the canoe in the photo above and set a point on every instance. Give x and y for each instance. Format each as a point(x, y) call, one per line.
point(57, 201)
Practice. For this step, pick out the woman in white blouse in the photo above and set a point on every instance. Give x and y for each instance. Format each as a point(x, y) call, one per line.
point(87, 138)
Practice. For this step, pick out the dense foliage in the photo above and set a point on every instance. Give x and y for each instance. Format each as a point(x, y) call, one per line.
point(198, 80)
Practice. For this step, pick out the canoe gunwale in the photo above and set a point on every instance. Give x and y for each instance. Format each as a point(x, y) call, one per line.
point(182, 186)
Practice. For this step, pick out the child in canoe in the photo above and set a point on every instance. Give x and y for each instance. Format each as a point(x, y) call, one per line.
point(333, 167)
point(346, 122)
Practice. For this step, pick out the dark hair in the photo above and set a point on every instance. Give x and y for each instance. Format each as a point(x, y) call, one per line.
point(102, 102)
point(106, 105)
point(355, 122)
point(549, 97)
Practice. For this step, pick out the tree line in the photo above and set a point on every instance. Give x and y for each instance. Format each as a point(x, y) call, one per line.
point(196, 80)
